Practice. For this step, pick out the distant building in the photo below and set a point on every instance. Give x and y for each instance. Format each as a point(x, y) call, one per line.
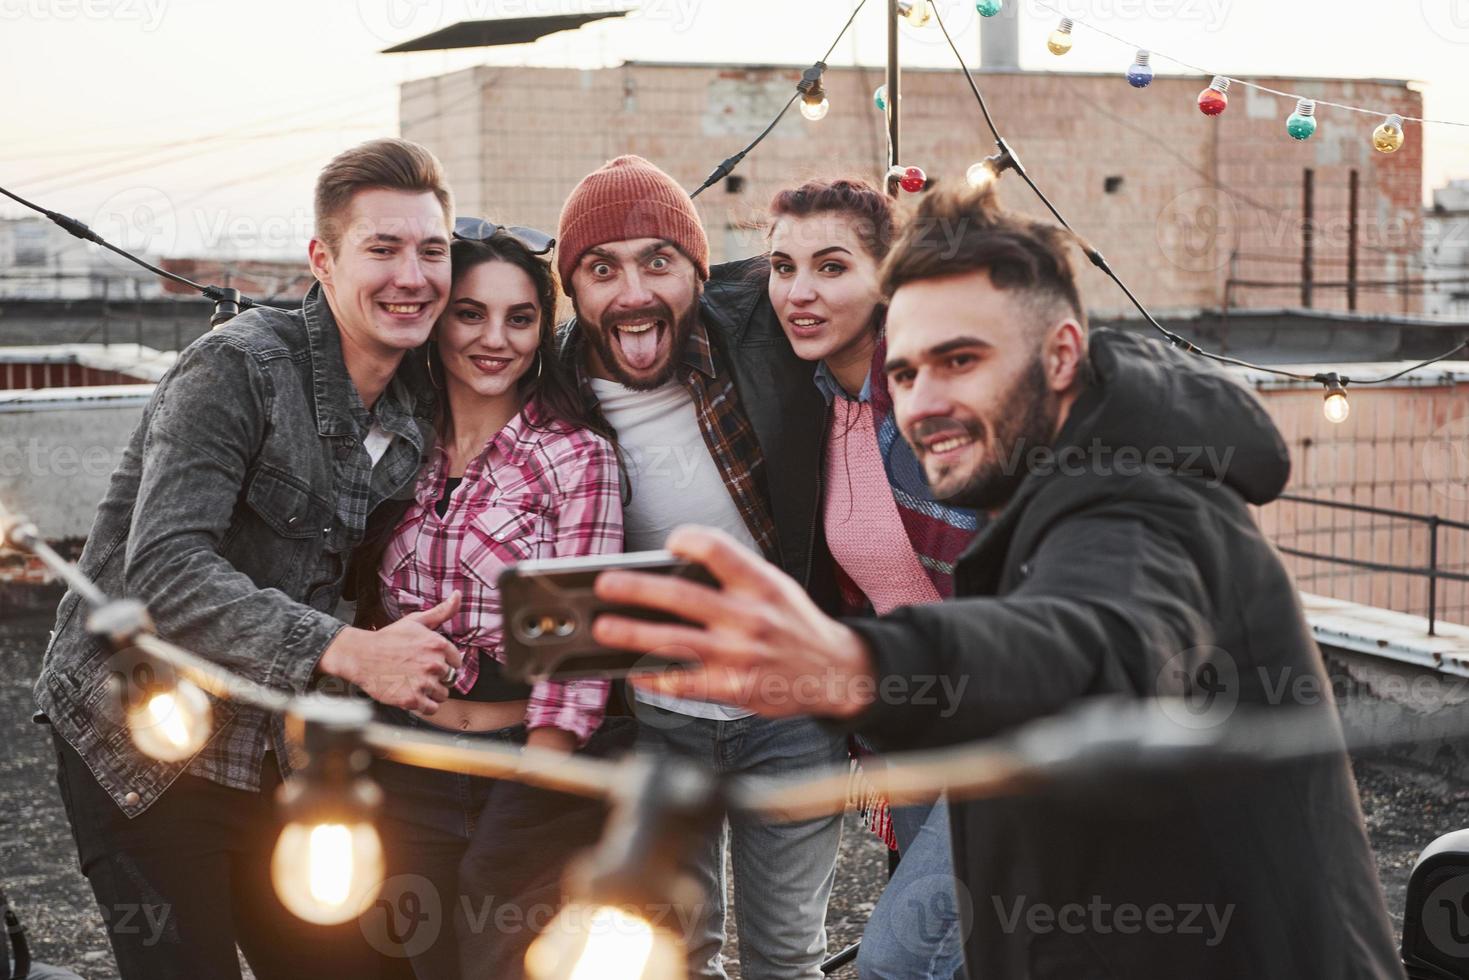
point(264, 280)
point(1446, 250)
point(1195, 213)
point(38, 260)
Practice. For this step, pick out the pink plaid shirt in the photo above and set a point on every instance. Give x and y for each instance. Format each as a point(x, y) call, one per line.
point(537, 490)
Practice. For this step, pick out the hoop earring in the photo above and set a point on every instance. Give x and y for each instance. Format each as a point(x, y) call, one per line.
point(540, 363)
point(428, 365)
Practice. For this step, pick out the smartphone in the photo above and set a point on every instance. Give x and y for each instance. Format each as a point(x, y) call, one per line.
point(548, 606)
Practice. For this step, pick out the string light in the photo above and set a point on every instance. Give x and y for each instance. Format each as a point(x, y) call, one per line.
point(913, 179)
point(1301, 124)
point(1388, 136)
point(989, 8)
point(880, 98)
point(987, 171)
point(1215, 99)
point(1140, 75)
point(1336, 406)
point(1061, 40)
point(916, 12)
point(328, 862)
point(172, 724)
point(814, 103)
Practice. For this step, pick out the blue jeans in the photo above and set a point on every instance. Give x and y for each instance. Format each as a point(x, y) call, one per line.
point(782, 872)
point(916, 932)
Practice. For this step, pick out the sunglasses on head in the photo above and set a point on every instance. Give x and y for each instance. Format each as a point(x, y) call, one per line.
point(479, 230)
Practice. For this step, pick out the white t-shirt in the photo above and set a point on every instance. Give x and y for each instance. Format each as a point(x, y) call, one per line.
point(674, 481)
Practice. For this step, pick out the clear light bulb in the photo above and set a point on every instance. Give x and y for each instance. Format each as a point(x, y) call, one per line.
point(916, 12)
point(1336, 407)
point(1301, 124)
point(591, 942)
point(173, 724)
point(327, 873)
point(1388, 136)
point(1140, 75)
point(989, 8)
point(1060, 40)
point(815, 110)
point(1215, 99)
point(981, 175)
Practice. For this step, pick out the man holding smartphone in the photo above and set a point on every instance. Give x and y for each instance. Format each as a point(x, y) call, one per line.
point(718, 423)
point(1121, 560)
point(243, 490)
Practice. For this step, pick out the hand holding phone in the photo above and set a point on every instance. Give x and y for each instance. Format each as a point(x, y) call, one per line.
point(548, 606)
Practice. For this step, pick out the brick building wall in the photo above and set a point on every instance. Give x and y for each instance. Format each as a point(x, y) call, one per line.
point(1199, 200)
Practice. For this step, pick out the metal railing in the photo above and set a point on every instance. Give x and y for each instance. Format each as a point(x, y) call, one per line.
point(1434, 571)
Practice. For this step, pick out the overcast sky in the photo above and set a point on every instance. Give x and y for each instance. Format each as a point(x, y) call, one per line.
point(204, 121)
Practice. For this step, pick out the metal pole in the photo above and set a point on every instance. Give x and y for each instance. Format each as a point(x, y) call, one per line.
point(1433, 575)
point(1352, 189)
point(1308, 233)
point(893, 93)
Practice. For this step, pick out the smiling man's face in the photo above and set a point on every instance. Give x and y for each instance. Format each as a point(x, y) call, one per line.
point(970, 388)
point(638, 301)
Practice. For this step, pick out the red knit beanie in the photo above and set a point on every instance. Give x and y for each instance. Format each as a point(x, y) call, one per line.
point(626, 199)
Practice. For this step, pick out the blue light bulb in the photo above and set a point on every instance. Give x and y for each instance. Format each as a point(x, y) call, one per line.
point(1141, 73)
point(1302, 123)
point(989, 8)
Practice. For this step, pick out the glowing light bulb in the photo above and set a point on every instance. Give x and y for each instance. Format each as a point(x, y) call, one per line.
point(989, 8)
point(1060, 40)
point(1302, 123)
point(1140, 75)
point(1388, 136)
point(327, 873)
point(173, 724)
point(880, 98)
point(1215, 99)
point(1336, 407)
point(913, 180)
point(815, 109)
point(916, 12)
point(981, 175)
point(589, 942)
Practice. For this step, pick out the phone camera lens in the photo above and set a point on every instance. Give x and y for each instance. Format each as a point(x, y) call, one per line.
point(530, 628)
point(565, 627)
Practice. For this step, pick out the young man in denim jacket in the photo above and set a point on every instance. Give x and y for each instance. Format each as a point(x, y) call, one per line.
point(241, 495)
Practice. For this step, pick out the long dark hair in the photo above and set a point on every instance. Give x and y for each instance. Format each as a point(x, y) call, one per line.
point(549, 384)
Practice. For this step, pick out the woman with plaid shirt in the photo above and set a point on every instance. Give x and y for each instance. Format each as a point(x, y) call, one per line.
point(519, 472)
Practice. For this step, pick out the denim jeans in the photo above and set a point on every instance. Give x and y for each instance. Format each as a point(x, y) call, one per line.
point(782, 872)
point(916, 932)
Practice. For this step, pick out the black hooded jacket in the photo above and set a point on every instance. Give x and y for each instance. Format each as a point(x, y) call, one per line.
point(1126, 560)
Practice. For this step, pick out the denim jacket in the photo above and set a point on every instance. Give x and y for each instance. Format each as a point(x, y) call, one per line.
point(238, 501)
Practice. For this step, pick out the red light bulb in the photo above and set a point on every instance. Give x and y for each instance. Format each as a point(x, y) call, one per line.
point(913, 180)
point(1215, 99)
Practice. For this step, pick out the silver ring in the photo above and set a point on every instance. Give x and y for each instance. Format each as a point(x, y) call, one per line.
point(451, 677)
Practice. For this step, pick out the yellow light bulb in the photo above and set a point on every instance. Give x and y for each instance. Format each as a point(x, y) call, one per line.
point(916, 12)
point(173, 724)
point(1388, 136)
point(327, 873)
point(815, 111)
point(590, 942)
point(1060, 40)
point(981, 175)
point(1336, 407)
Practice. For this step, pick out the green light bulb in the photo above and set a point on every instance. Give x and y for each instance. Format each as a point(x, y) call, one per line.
point(989, 8)
point(1302, 123)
